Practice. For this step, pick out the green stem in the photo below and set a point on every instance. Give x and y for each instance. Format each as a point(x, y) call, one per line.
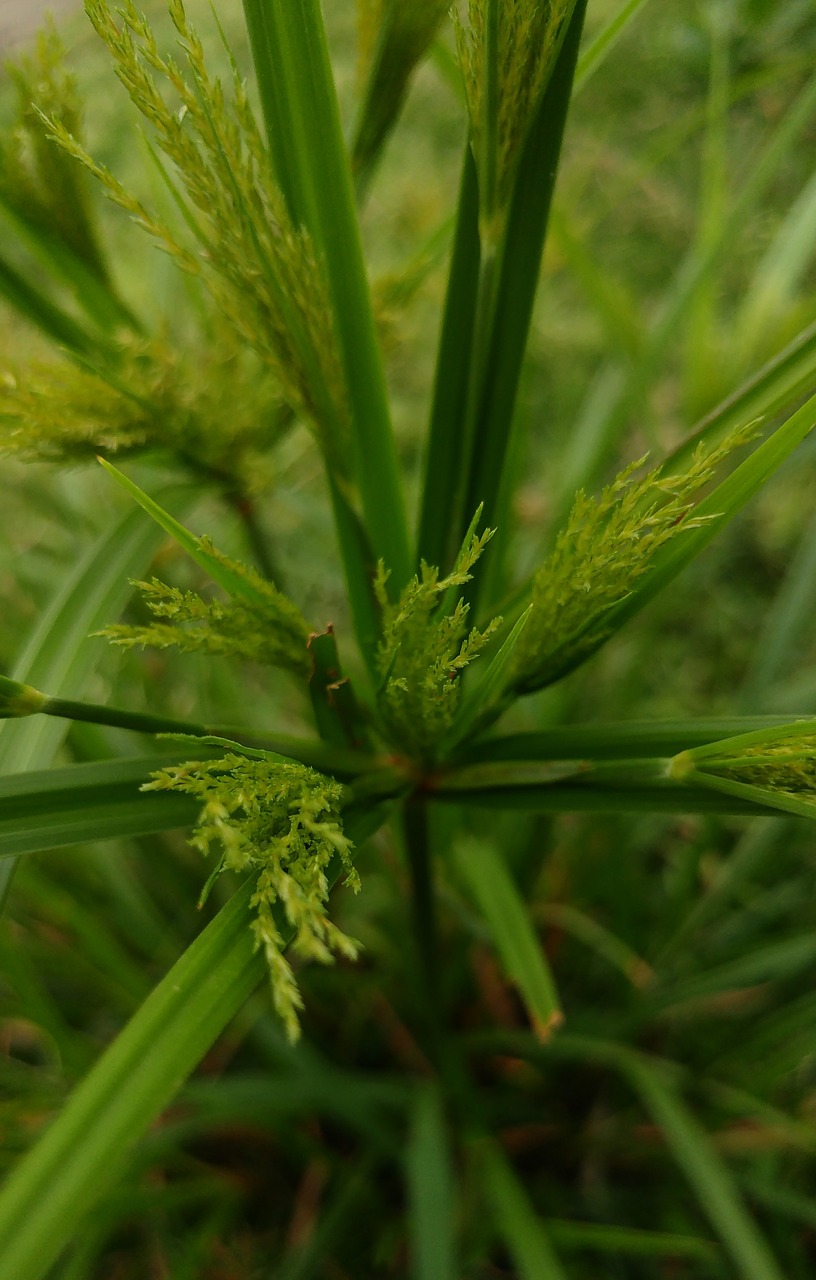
point(96, 713)
point(442, 460)
point(339, 761)
point(488, 308)
point(300, 104)
point(423, 917)
point(519, 255)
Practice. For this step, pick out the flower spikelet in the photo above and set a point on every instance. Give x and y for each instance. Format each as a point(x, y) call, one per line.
point(36, 180)
point(425, 647)
point(268, 629)
point(281, 822)
point(218, 425)
point(777, 766)
point(260, 269)
point(529, 38)
point(606, 546)
point(784, 767)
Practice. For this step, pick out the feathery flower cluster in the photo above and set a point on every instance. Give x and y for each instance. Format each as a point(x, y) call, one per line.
point(528, 38)
point(155, 399)
point(281, 822)
point(259, 268)
point(775, 767)
point(606, 546)
point(39, 183)
point(268, 628)
point(425, 648)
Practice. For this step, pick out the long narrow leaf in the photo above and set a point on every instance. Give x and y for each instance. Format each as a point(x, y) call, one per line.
point(473, 445)
point(92, 292)
point(522, 1230)
point(622, 740)
point(585, 787)
point(689, 1144)
point(599, 1238)
point(87, 1146)
point(778, 385)
point(442, 458)
point(406, 32)
point(613, 396)
point(706, 1172)
point(512, 932)
point(46, 315)
point(54, 808)
point(431, 1191)
point(232, 582)
point(58, 655)
point(599, 48)
point(785, 626)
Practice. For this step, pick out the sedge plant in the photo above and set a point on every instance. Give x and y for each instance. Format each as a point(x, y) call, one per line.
point(416, 742)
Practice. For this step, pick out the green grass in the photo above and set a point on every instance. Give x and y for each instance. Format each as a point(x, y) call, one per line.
point(566, 1027)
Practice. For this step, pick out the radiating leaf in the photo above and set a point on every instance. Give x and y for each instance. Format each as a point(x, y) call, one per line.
point(54, 808)
point(512, 932)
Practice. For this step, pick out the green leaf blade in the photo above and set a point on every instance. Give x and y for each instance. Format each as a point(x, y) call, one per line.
point(431, 1191)
point(512, 932)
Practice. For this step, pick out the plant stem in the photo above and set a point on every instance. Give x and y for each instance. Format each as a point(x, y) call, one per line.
point(300, 106)
point(423, 918)
point(339, 761)
point(96, 713)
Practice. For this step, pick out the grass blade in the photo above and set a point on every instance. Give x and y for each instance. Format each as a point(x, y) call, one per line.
point(522, 1230)
point(89, 287)
point(58, 655)
point(431, 1191)
point(442, 458)
point(488, 334)
point(55, 808)
point(233, 583)
point(599, 939)
point(778, 274)
point(628, 1240)
point(513, 935)
point(406, 33)
point(706, 1172)
point(43, 1201)
point(616, 741)
point(785, 379)
point(590, 787)
point(787, 622)
point(613, 396)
